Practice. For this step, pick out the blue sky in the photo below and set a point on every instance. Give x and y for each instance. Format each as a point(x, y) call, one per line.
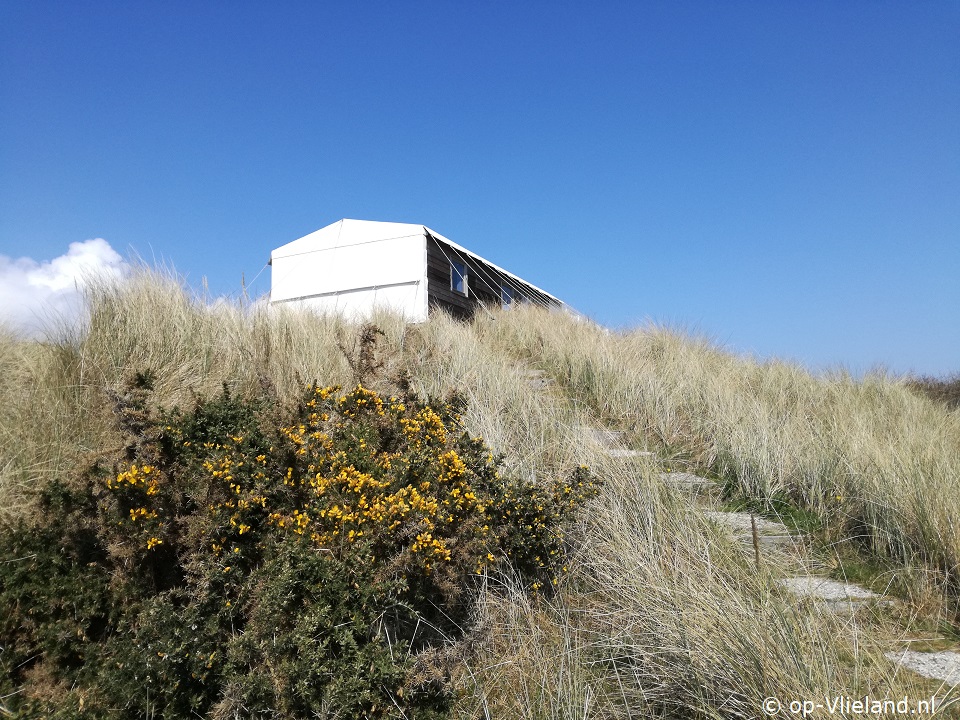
point(783, 177)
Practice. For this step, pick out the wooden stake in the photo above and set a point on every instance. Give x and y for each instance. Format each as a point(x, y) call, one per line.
point(756, 540)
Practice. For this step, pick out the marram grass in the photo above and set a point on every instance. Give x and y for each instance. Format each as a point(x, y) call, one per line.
point(869, 457)
point(658, 613)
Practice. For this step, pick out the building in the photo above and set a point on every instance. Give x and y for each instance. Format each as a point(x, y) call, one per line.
point(355, 266)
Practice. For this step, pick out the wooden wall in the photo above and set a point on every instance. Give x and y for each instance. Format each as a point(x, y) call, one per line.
point(483, 283)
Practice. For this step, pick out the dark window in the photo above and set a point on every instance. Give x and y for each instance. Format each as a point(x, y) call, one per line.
point(506, 296)
point(458, 277)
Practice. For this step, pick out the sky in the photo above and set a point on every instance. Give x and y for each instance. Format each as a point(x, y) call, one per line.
point(780, 177)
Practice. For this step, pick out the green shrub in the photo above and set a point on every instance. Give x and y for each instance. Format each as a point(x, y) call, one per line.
point(240, 560)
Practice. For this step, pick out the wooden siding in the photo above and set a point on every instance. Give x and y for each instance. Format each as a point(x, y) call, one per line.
point(483, 283)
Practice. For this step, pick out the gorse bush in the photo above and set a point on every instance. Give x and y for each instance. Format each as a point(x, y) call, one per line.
point(242, 560)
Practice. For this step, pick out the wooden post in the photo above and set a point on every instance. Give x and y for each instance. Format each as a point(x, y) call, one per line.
point(756, 540)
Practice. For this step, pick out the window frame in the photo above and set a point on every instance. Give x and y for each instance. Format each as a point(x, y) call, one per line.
point(508, 296)
point(461, 269)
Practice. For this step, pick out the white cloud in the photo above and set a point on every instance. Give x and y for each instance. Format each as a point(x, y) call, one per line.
point(34, 295)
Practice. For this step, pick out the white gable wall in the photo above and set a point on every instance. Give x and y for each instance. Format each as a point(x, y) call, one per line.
point(354, 267)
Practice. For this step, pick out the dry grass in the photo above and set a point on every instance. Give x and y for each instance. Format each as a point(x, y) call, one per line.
point(661, 613)
point(662, 616)
point(691, 626)
point(868, 456)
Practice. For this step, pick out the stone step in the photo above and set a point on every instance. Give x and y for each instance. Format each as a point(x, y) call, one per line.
point(943, 665)
point(625, 453)
point(690, 483)
point(536, 378)
point(774, 539)
point(825, 588)
point(610, 439)
point(612, 442)
point(742, 523)
point(837, 597)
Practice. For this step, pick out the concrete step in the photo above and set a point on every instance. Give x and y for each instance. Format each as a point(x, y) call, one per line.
point(612, 441)
point(776, 545)
point(825, 588)
point(741, 524)
point(625, 453)
point(690, 483)
point(837, 597)
point(536, 378)
point(943, 665)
